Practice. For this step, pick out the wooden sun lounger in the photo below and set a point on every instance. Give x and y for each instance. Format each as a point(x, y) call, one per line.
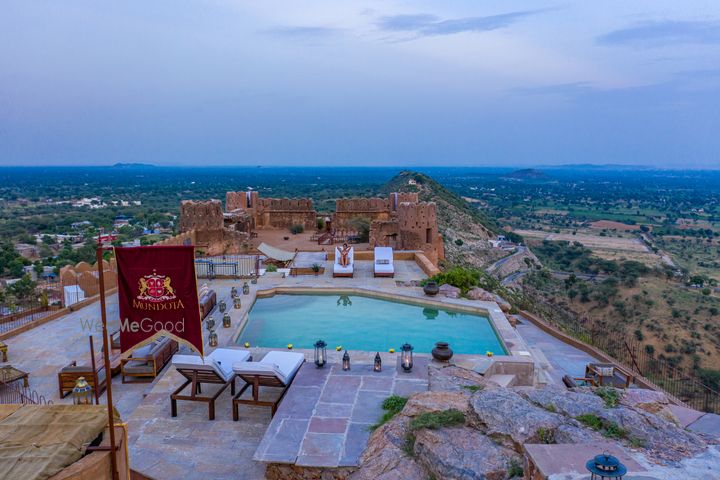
point(197, 373)
point(251, 373)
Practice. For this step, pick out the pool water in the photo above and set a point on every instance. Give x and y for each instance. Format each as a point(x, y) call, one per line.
point(364, 323)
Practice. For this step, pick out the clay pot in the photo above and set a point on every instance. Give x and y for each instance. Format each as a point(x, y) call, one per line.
point(431, 288)
point(442, 352)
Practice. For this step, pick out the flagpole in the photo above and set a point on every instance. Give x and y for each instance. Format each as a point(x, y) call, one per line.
point(106, 354)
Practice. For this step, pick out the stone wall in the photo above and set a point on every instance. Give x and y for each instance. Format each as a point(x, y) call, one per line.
point(273, 212)
point(370, 209)
point(201, 215)
point(384, 234)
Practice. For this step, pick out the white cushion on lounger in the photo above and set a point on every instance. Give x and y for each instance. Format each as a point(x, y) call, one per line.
point(383, 255)
point(220, 361)
point(384, 268)
point(337, 268)
point(283, 365)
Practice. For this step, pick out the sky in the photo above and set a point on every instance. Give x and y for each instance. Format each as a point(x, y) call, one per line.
point(344, 83)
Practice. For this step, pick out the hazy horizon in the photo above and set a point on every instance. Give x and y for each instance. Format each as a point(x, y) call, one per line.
point(321, 83)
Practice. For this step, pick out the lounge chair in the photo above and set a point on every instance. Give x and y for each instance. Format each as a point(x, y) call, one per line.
point(216, 369)
point(94, 374)
point(607, 374)
point(383, 264)
point(344, 271)
point(147, 362)
point(276, 369)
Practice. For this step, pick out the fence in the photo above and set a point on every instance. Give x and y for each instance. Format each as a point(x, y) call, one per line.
point(15, 315)
point(680, 383)
point(235, 266)
point(13, 393)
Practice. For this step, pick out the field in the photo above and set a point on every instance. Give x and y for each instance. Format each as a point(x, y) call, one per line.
point(610, 225)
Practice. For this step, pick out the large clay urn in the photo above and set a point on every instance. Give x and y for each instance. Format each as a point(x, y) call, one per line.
point(442, 352)
point(431, 288)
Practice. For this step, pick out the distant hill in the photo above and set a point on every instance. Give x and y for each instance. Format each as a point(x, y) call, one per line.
point(466, 229)
point(132, 165)
point(527, 173)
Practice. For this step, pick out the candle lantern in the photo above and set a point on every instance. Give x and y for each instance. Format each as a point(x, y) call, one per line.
point(346, 361)
point(605, 467)
point(377, 364)
point(246, 288)
point(82, 393)
point(320, 353)
point(222, 306)
point(227, 321)
point(237, 303)
point(406, 359)
point(233, 292)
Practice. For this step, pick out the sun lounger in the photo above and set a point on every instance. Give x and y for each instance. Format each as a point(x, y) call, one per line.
point(344, 271)
point(215, 369)
point(276, 369)
point(383, 264)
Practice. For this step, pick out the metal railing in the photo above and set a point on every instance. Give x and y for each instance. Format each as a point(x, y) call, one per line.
point(14, 393)
point(15, 315)
point(234, 266)
point(683, 384)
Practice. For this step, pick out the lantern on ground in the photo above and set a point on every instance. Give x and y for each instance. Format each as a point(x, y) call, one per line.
point(237, 303)
point(233, 292)
point(82, 393)
point(605, 467)
point(227, 321)
point(377, 365)
point(320, 353)
point(246, 288)
point(222, 306)
point(346, 361)
point(406, 360)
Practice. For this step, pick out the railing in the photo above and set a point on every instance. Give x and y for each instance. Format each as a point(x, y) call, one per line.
point(13, 393)
point(683, 385)
point(235, 266)
point(13, 316)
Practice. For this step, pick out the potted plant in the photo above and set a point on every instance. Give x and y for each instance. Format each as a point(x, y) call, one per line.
point(315, 268)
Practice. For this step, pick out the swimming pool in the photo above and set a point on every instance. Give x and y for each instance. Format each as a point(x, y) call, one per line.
point(364, 323)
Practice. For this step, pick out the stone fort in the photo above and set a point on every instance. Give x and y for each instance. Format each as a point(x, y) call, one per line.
point(400, 220)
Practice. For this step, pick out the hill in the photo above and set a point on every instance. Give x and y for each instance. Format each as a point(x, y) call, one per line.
point(465, 228)
point(527, 174)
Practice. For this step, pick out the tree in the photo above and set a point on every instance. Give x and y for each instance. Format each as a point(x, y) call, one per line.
point(23, 288)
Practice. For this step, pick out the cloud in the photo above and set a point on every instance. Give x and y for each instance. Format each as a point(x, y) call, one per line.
point(430, 25)
point(302, 32)
point(651, 34)
point(568, 89)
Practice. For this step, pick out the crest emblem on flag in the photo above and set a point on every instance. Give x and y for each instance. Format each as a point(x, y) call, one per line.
point(155, 288)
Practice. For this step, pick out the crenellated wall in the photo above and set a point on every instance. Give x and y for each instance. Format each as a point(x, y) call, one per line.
point(273, 212)
point(201, 215)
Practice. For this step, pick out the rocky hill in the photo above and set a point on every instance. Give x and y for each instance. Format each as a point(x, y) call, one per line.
point(465, 228)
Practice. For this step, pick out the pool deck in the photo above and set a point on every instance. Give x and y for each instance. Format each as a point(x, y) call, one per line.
point(189, 445)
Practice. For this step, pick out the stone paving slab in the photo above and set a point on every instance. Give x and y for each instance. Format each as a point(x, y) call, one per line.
point(328, 424)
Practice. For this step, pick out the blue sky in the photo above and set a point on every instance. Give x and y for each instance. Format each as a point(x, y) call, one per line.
point(223, 82)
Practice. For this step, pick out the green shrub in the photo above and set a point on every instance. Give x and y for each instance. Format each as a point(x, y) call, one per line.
point(392, 406)
point(605, 427)
point(546, 435)
point(459, 242)
point(435, 420)
point(610, 396)
point(297, 228)
point(271, 268)
point(515, 470)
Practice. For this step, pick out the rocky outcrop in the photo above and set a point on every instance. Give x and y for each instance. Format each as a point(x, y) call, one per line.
point(449, 291)
point(500, 421)
point(478, 293)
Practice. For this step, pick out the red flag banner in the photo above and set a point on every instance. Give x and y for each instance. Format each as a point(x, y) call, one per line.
point(157, 295)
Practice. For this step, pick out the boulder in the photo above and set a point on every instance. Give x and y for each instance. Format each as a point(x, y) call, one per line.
point(384, 457)
point(454, 379)
point(512, 420)
point(478, 293)
point(436, 401)
point(649, 400)
point(502, 303)
point(449, 291)
point(462, 453)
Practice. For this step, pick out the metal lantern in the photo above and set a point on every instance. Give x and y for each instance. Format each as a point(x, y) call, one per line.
point(227, 321)
point(406, 360)
point(320, 353)
point(222, 306)
point(246, 288)
point(213, 339)
point(233, 292)
point(236, 303)
point(377, 365)
point(82, 393)
point(346, 361)
point(604, 467)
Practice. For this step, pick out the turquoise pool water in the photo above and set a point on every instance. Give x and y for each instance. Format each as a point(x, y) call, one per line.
point(364, 323)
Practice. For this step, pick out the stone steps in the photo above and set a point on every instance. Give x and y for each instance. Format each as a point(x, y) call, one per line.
point(503, 380)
